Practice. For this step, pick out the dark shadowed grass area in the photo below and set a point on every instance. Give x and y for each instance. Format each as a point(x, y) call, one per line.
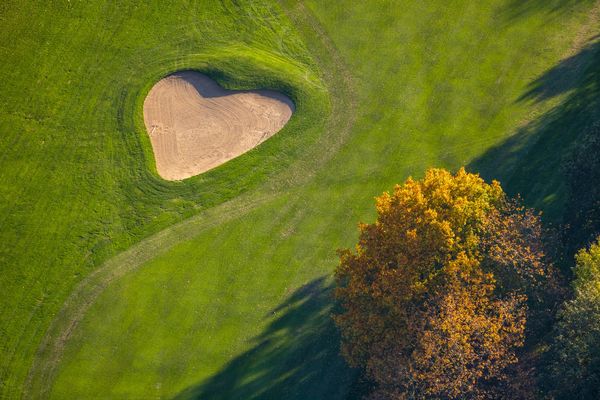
point(523, 8)
point(530, 162)
point(296, 357)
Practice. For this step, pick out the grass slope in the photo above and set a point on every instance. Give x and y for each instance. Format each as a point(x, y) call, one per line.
point(76, 173)
point(219, 315)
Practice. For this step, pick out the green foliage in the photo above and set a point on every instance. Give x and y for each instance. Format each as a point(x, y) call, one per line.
point(573, 370)
point(587, 268)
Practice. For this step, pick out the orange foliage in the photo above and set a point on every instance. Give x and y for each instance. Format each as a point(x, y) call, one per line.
point(434, 296)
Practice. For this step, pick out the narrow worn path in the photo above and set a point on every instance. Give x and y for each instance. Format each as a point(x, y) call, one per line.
point(339, 81)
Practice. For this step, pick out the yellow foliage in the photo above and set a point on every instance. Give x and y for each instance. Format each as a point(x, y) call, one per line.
point(423, 310)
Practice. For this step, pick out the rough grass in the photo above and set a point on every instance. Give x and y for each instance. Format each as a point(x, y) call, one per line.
point(220, 315)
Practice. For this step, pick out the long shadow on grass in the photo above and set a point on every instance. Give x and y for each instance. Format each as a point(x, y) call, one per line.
point(517, 9)
point(530, 161)
point(296, 357)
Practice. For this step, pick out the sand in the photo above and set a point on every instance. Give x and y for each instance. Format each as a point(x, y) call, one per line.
point(196, 125)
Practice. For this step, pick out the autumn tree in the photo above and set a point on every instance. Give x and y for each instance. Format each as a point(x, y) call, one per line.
point(436, 295)
point(573, 370)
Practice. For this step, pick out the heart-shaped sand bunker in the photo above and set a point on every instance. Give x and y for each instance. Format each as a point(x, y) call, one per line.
point(196, 125)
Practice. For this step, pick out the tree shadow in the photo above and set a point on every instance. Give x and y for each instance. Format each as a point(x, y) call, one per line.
point(209, 88)
point(296, 357)
point(529, 162)
point(518, 9)
point(564, 77)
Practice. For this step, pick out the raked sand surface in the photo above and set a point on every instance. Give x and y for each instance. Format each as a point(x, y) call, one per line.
point(196, 125)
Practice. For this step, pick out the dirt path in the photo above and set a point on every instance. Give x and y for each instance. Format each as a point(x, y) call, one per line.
point(196, 125)
point(338, 127)
point(340, 84)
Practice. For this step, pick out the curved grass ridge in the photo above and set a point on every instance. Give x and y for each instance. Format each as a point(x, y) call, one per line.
point(233, 67)
point(76, 177)
point(42, 373)
point(338, 126)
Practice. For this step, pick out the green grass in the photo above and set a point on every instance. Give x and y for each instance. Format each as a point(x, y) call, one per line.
point(424, 83)
point(531, 162)
point(77, 182)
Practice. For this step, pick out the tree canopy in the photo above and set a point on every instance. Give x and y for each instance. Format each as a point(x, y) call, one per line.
point(435, 296)
point(582, 209)
point(574, 369)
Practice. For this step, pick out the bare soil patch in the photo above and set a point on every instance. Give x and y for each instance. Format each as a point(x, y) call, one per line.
point(196, 125)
